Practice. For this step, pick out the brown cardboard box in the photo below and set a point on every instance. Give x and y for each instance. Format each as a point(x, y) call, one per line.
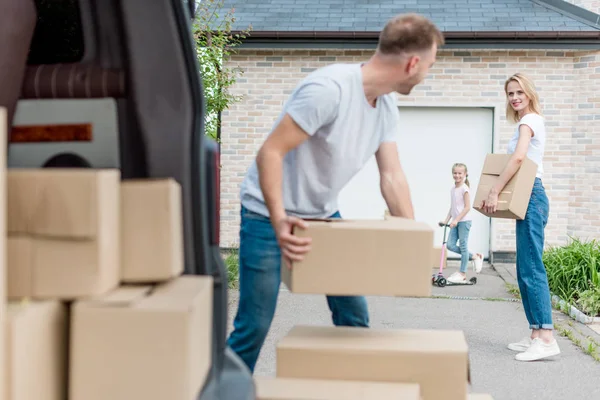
point(437, 256)
point(269, 388)
point(64, 234)
point(143, 342)
point(514, 198)
point(380, 355)
point(37, 351)
point(61, 269)
point(62, 203)
point(480, 396)
point(375, 257)
point(151, 219)
point(3, 141)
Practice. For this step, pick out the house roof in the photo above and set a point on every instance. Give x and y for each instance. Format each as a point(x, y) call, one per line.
point(355, 19)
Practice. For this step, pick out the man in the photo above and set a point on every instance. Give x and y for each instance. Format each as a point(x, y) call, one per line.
point(334, 121)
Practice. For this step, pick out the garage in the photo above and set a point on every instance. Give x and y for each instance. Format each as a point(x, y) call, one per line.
point(432, 139)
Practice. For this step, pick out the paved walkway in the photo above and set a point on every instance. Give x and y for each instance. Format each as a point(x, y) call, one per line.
point(490, 318)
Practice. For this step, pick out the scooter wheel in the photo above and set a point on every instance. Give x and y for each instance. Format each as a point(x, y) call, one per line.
point(441, 282)
point(473, 280)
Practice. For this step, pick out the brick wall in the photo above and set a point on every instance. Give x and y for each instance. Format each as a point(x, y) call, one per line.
point(569, 102)
point(592, 5)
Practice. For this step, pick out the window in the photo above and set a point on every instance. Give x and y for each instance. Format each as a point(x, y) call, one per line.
point(58, 35)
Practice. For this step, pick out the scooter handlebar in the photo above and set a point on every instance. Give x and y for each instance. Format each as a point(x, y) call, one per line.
point(442, 224)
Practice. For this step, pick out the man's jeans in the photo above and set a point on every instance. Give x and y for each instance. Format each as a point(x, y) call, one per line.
point(260, 263)
point(460, 233)
point(531, 273)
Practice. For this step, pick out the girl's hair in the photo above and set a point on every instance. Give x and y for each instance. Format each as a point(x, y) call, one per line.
point(466, 172)
point(530, 91)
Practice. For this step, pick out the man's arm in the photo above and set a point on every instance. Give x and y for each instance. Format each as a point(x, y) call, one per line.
point(314, 105)
point(286, 136)
point(393, 183)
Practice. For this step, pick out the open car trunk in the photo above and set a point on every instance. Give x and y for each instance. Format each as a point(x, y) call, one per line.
point(128, 69)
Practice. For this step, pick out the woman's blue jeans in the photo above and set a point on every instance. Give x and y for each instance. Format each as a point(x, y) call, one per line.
point(260, 263)
point(531, 272)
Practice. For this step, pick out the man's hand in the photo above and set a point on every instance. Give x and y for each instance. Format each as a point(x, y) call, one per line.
point(453, 224)
point(293, 248)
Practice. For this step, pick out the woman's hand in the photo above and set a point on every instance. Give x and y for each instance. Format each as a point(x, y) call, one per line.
point(491, 203)
point(453, 224)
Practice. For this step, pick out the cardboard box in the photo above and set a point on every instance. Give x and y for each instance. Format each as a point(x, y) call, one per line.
point(514, 198)
point(3, 141)
point(37, 351)
point(151, 218)
point(364, 258)
point(63, 203)
point(379, 355)
point(437, 256)
point(61, 269)
point(270, 388)
point(479, 396)
point(64, 239)
point(143, 342)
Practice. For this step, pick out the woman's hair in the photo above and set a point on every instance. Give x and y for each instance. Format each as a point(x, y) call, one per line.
point(466, 172)
point(530, 91)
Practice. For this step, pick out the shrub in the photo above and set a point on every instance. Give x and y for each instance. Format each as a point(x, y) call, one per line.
point(574, 272)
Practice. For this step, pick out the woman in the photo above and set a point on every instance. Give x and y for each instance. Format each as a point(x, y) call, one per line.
point(523, 108)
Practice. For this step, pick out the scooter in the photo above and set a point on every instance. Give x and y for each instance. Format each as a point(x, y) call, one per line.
point(438, 279)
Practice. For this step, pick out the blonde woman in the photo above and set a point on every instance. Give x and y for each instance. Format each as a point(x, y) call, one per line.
point(529, 139)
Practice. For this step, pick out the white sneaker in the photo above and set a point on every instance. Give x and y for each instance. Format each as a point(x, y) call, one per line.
point(521, 346)
point(478, 263)
point(457, 278)
point(539, 350)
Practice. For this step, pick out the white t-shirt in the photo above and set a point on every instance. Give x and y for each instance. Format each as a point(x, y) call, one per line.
point(457, 202)
point(535, 152)
point(345, 132)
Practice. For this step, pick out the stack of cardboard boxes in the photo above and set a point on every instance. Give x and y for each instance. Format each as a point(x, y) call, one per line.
point(390, 257)
point(97, 305)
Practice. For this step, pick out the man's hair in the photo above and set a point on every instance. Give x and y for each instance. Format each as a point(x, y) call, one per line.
point(408, 33)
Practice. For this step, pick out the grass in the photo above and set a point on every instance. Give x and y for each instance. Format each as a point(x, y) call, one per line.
point(587, 344)
point(232, 264)
point(513, 289)
point(574, 274)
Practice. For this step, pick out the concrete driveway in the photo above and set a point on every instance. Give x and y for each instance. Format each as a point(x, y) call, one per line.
point(490, 318)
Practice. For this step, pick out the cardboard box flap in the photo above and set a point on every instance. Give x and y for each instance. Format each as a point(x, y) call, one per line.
point(272, 388)
point(494, 164)
point(352, 339)
point(392, 223)
point(124, 296)
point(177, 294)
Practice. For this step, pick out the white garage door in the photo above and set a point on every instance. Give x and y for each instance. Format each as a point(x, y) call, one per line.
point(432, 139)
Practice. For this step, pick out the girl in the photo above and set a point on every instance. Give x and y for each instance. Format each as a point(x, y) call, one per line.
point(529, 139)
point(460, 205)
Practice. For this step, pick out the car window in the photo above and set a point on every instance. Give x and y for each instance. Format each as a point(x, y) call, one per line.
point(58, 36)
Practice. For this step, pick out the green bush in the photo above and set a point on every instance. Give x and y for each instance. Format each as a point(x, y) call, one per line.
point(574, 272)
point(589, 301)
